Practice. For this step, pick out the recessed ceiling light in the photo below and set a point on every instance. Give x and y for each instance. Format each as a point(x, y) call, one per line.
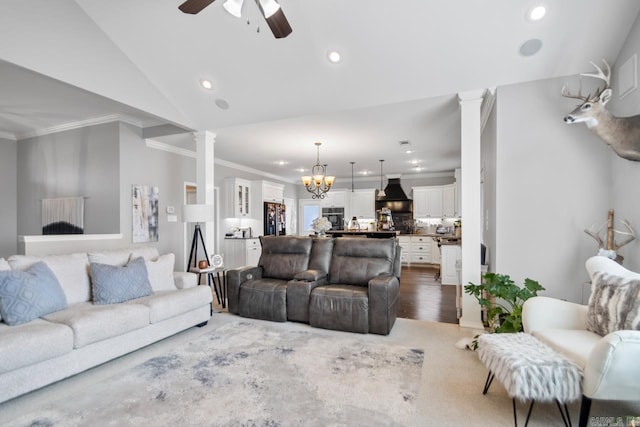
point(530, 47)
point(281, 162)
point(408, 151)
point(537, 13)
point(334, 56)
point(206, 84)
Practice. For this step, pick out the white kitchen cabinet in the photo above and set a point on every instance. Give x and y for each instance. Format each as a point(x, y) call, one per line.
point(291, 216)
point(449, 201)
point(265, 191)
point(362, 203)
point(427, 202)
point(238, 198)
point(450, 254)
point(417, 249)
point(241, 252)
point(333, 199)
point(435, 252)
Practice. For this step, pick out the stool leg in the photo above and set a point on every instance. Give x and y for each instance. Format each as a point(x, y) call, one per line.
point(515, 414)
point(526, 423)
point(564, 411)
point(487, 383)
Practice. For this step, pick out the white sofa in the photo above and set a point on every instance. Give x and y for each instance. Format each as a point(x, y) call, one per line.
point(609, 362)
point(66, 342)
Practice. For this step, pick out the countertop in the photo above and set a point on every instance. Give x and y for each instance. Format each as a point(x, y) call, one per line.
point(380, 234)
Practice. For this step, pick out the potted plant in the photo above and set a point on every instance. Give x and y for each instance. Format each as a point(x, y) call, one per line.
point(503, 299)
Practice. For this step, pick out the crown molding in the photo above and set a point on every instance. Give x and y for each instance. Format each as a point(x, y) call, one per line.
point(8, 135)
point(162, 146)
point(80, 124)
point(243, 168)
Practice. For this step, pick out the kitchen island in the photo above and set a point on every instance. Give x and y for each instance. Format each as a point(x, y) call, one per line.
point(363, 233)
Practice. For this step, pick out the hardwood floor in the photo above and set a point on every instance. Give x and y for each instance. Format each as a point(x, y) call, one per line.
point(424, 298)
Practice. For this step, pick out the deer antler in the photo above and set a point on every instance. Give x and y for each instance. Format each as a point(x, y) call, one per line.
point(598, 75)
point(630, 233)
point(596, 235)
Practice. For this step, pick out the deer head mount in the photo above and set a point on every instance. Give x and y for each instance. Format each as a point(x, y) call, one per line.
point(622, 134)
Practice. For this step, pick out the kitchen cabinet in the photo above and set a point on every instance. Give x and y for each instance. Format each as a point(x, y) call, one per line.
point(435, 201)
point(418, 249)
point(362, 203)
point(241, 252)
point(238, 197)
point(265, 191)
point(451, 255)
point(333, 199)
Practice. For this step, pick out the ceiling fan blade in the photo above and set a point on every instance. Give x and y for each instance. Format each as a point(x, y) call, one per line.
point(279, 25)
point(194, 6)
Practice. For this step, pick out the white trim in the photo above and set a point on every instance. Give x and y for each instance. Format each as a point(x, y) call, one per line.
point(8, 135)
point(162, 146)
point(80, 124)
point(243, 168)
point(487, 107)
point(67, 238)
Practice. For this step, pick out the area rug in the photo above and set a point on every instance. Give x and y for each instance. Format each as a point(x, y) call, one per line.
point(249, 373)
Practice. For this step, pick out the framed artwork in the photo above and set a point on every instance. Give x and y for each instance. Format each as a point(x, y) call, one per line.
point(144, 222)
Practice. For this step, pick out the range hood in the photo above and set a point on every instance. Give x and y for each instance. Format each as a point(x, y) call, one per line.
point(394, 192)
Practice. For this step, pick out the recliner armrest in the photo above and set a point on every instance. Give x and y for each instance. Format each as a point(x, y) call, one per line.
point(310, 275)
point(540, 313)
point(384, 292)
point(235, 278)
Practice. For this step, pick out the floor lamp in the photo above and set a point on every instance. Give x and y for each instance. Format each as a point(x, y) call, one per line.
point(197, 214)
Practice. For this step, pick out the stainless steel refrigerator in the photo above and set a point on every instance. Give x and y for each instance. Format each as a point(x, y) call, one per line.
point(275, 219)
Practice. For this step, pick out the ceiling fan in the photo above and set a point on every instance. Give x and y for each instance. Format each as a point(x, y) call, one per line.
point(270, 9)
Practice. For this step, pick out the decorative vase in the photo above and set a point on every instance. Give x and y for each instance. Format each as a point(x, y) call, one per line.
point(322, 233)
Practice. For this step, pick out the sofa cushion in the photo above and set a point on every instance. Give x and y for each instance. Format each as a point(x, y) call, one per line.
point(575, 344)
point(264, 299)
point(72, 271)
point(340, 307)
point(116, 257)
point(160, 273)
point(284, 256)
point(32, 342)
point(614, 304)
point(167, 304)
point(27, 295)
point(357, 260)
point(112, 284)
point(149, 253)
point(92, 323)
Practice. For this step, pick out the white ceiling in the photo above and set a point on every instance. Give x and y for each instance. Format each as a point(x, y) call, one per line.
point(403, 64)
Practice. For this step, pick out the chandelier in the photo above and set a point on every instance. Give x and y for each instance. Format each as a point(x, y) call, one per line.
point(318, 183)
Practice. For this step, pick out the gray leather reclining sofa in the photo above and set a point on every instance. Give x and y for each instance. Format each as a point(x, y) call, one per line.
point(347, 284)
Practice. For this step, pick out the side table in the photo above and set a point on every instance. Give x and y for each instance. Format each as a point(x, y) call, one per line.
point(216, 279)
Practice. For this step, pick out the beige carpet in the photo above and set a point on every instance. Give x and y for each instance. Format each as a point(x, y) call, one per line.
point(449, 389)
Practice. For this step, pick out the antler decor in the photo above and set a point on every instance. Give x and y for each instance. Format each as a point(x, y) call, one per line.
point(622, 134)
point(609, 249)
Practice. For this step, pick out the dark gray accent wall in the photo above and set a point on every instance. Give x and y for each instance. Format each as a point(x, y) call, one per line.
point(76, 163)
point(8, 193)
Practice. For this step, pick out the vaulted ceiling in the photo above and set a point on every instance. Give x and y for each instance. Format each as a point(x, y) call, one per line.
point(403, 63)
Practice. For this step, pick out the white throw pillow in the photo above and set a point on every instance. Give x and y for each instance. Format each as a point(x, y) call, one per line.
point(118, 257)
point(146, 252)
point(161, 273)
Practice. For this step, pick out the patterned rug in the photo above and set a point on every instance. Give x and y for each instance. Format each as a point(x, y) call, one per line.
point(248, 373)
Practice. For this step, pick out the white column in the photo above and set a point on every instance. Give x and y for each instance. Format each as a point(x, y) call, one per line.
point(205, 179)
point(471, 133)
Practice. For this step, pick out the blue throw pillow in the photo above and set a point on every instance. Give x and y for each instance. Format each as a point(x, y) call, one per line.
point(27, 295)
point(113, 284)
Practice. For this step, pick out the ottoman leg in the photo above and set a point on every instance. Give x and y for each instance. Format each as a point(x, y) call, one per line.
point(585, 408)
point(487, 383)
point(564, 413)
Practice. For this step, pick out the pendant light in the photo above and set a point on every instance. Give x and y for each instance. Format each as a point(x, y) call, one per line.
point(381, 193)
point(352, 163)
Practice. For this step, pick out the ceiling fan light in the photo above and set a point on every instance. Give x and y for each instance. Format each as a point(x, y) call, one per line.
point(269, 7)
point(234, 7)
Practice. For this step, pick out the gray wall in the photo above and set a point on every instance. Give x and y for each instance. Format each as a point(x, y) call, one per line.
point(625, 173)
point(8, 194)
point(80, 162)
point(488, 156)
point(168, 171)
point(553, 180)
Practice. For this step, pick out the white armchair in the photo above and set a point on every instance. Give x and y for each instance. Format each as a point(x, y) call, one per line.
point(610, 362)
